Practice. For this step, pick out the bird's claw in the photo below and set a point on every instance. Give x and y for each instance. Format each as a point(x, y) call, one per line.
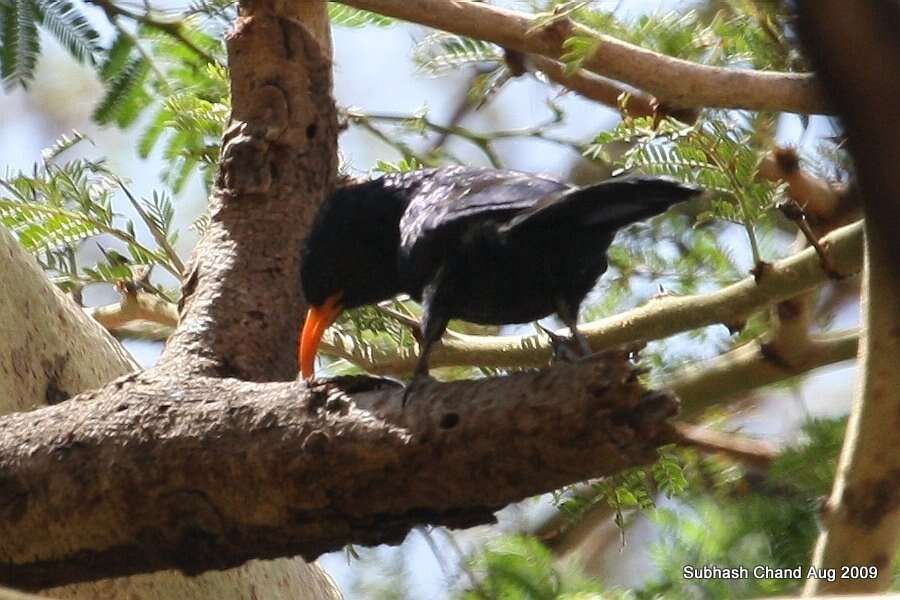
point(567, 349)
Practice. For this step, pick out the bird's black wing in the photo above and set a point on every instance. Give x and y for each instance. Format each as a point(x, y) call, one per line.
point(445, 201)
point(609, 205)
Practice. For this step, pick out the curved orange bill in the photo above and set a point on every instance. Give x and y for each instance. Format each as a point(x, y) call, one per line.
point(318, 319)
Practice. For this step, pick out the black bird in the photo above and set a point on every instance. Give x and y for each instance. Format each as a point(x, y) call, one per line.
point(483, 245)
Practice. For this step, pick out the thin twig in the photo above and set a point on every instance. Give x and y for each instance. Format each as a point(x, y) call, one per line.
point(170, 28)
point(748, 451)
point(795, 213)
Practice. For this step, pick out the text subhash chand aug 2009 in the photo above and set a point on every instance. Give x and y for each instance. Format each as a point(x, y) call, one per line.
point(700, 572)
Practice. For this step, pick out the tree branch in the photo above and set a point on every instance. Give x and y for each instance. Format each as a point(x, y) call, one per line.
point(143, 474)
point(657, 319)
point(135, 306)
point(748, 367)
point(49, 351)
point(41, 364)
point(748, 451)
point(857, 55)
point(605, 91)
point(8, 594)
point(279, 159)
point(676, 83)
point(815, 195)
point(196, 464)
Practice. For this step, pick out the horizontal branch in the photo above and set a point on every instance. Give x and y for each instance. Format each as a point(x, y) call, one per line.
point(8, 594)
point(748, 367)
point(138, 306)
point(605, 91)
point(157, 472)
point(675, 82)
point(748, 451)
point(658, 318)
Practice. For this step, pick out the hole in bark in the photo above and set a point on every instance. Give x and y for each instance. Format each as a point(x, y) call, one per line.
point(449, 421)
point(311, 130)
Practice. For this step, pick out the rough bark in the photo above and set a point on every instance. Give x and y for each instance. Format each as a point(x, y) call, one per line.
point(856, 51)
point(197, 464)
point(50, 350)
point(241, 299)
point(155, 472)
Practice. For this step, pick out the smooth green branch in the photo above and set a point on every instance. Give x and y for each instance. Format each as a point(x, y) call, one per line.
point(658, 318)
point(748, 367)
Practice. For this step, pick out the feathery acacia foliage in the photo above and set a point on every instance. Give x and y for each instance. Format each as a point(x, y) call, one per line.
point(167, 78)
point(60, 206)
point(347, 16)
point(20, 42)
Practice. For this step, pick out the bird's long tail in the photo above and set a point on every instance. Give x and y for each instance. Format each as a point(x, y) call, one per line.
point(611, 204)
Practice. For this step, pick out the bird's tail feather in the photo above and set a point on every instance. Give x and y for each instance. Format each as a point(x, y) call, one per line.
point(611, 204)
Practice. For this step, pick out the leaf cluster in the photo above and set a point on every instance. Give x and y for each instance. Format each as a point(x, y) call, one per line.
point(520, 567)
point(20, 42)
point(632, 490)
point(59, 206)
point(721, 516)
point(347, 16)
point(187, 93)
point(738, 33)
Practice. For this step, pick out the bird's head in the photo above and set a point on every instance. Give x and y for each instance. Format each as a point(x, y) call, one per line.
point(350, 259)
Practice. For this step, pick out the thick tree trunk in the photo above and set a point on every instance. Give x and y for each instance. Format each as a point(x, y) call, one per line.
point(51, 350)
point(855, 48)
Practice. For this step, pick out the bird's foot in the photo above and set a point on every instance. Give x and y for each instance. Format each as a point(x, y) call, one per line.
point(567, 349)
point(583, 346)
point(563, 348)
point(415, 384)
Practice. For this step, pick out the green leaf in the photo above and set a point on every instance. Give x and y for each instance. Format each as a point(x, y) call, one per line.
point(346, 16)
point(69, 26)
point(577, 49)
point(442, 53)
point(117, 57)
point(124, 94)
point(62, 143)
point(194, 112)
point(19, 42)
point(401, 166)
point(152, 133)
point(109, 272)
point(160, 212)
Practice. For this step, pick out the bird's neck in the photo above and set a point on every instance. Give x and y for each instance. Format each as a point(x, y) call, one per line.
point(376, 234)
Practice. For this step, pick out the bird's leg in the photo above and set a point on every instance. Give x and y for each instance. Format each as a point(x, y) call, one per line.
point(563, 351)
point(569, 317)
point(434, 323)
